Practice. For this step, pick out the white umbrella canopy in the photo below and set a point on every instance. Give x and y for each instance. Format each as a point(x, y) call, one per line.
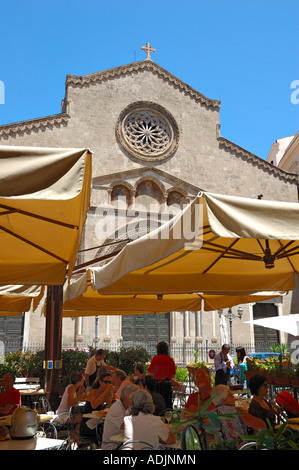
point(286, 323)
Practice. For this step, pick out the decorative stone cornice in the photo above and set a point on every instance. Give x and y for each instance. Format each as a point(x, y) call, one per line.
point(139, 67)
point(235, 149)
point(21, 127)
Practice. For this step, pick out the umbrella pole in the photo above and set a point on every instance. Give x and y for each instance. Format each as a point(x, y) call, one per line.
point(53, 343)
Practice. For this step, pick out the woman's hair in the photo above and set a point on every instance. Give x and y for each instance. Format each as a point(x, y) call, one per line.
point(141, 401)
point(101, 378)
point(75, 377)
point(140, 368)
point(255, 383)
point(149, 382)
point(219, 393)
point(162, 348)
point(242, 352)
point(120, 374)
point(100, 352)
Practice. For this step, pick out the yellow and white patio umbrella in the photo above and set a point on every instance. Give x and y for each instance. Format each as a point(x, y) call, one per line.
point(44, 198)
point(217, 245)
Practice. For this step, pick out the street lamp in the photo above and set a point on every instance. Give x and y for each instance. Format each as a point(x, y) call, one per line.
point(230, 316)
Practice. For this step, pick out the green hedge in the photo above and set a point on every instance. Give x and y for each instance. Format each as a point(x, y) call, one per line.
point(29, 364)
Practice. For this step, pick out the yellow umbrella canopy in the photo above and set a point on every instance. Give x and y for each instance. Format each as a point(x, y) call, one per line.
point(15, 299)
point(81, 300)
point(44, 198)
point(217, 245)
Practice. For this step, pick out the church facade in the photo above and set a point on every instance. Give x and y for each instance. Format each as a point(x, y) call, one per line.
point(156, 143)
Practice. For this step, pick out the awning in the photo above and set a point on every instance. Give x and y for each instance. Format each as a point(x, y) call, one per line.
point(81, 300)
point(216, 245)
point(44, 198)
point(287, 323)
point(15, 299)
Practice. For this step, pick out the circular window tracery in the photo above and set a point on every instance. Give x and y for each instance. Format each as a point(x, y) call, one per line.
point(147, 131)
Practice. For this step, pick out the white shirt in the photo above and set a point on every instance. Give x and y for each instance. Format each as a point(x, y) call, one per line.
point(112, 424)
point(92, 365)
point(145, 427)
point(220, 362)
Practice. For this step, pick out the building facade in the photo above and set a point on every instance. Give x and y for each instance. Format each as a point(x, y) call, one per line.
point(156, 143)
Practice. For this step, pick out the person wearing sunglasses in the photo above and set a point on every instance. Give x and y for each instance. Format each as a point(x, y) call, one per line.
point(260, 406)
point(100, 396)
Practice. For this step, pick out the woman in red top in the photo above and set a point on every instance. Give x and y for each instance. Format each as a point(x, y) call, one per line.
point(163, 368)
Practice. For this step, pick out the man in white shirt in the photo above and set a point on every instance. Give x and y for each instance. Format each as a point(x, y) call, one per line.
point(114, 420)
point(223, 365)
point(92, 366)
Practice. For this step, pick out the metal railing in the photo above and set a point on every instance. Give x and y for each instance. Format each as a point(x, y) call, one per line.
point(182, 353)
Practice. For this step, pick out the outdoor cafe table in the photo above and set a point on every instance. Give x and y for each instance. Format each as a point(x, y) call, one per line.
point(30, 396)
point(34, 443)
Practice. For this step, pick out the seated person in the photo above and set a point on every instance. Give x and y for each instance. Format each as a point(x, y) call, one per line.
point(73, 393)
point(149, 383)
point(114, 421)
point(100, 395)
point(259, 405)
point(138, 374)
point(142, 425)
point(203, 383)
point(10, 398)
point(236, 427)
point(119, 380)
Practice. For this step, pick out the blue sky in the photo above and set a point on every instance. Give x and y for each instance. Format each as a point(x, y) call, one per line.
point(244, 54)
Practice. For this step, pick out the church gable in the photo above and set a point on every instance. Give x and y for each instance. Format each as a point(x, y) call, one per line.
point(140, 115)
point(139, 68)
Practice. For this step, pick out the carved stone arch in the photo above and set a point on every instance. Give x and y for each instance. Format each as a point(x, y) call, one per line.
point(126, 192)
point(149, 194)
point(152, 178)
point(173, 199)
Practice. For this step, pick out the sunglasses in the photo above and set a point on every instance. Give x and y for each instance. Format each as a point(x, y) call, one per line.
point(107, 381)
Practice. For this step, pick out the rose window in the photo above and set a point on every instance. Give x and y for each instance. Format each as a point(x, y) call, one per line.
point(147, 133)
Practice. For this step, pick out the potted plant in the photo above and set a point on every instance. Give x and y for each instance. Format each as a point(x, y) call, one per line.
point(282, 365)
point(294, 376)
point(196, 365)
point(269, 439)
point(207, 423)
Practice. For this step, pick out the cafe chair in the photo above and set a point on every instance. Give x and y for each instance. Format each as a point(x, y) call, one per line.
point(47, 430)
point(44, 405)
point(136, 445)
point(159, 447)
point(250, 446)
point(190, 438)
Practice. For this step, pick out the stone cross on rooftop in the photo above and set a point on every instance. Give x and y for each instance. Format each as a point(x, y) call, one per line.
point(148, 49)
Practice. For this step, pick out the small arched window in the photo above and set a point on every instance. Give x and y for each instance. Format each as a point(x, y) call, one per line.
point(149, 195)
point(120, 196)
point(176, 200)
